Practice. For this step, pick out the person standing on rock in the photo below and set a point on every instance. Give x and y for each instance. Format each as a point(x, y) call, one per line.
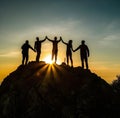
point(25, 52)
point(68, 51)
point(55, 47)
point(84, 53)
point(37, 47)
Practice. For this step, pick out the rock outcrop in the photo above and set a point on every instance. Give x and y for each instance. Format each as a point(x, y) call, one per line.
point(40, 90)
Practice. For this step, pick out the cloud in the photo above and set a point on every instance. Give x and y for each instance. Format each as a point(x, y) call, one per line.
point(10, 54)
point(109, 40)
point(67, 28)
point(110, 34)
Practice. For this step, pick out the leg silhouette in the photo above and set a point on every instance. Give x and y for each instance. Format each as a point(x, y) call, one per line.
point(71, 60)
point(86, 62)
point(82, 60)
point(52, 55)
point(67, 60)
point(26, 59)
point(55, 57)
point(23, 59)
point(38, 56)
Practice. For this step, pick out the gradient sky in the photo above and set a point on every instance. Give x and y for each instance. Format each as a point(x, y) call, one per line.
point(95, 21)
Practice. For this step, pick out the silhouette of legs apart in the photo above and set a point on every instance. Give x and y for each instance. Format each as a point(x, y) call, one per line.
point(86, 62)
point(25, 59)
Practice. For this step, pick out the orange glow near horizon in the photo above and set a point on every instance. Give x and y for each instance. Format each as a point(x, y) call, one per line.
point(107, 71)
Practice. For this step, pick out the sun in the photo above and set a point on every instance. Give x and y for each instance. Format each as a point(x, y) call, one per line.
point(48, 60)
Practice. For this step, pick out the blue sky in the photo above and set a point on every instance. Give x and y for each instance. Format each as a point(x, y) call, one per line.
point(96, 21)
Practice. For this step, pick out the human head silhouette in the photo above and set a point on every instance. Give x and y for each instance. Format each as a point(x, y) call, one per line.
point(82, 42)
point(70, 42)
point(55, 38)
point(37, 38)
point(27, 42)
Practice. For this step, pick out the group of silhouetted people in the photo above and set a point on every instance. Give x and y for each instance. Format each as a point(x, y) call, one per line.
point(84, 50)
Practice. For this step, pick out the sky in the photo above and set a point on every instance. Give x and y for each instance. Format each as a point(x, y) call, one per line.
point(95, 21)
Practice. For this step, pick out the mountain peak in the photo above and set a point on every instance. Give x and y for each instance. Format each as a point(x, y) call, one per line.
point(55, 91)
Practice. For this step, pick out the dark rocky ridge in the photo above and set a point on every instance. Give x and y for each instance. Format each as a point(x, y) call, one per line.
point(40, 90)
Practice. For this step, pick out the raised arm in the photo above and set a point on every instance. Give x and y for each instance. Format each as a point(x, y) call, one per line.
point(59, 40)
point(43, 40)
point(63, 41)
point(49, 39)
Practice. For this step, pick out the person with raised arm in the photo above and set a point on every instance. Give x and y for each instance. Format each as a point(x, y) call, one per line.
point(69, 50)
point(55, 47)
point(37, 47)
point(25, 52)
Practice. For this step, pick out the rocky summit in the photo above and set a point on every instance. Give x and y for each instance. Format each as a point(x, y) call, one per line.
point(40, 90)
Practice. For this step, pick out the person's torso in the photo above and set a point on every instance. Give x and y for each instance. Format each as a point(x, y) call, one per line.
point(83, 50)
point(38, 45)
point(25, 48)
point(55, 45)
point(69, 48)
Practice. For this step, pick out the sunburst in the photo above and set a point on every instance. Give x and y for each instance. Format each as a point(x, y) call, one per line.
point(48, 60)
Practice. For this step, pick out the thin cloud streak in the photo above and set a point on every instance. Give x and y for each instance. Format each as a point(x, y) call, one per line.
point(10, 54)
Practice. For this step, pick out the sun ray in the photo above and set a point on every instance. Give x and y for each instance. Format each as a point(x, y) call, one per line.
point(41, 70)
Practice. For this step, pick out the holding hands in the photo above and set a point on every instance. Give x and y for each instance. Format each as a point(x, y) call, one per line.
point(46, 37)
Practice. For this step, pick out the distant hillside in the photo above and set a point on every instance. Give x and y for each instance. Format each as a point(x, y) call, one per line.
point(40, 90)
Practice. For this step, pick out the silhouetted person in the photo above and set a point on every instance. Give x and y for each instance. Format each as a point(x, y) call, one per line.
point(55, 47)
point(69, 51)
point(84, 53)
point(25, 52)
point(37, 47)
